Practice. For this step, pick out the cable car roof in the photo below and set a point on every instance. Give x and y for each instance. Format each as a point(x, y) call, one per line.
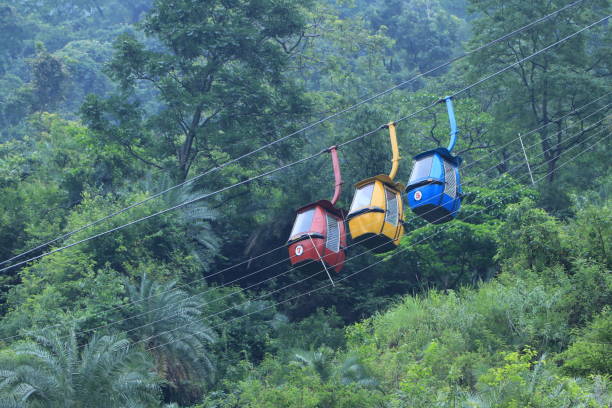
point(442, 151)
point(385, 180)
point(326, 204)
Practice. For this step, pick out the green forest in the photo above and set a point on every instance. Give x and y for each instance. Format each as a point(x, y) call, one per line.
point(153, 155)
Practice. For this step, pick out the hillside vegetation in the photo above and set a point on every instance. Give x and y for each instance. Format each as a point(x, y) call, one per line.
point(153, 154)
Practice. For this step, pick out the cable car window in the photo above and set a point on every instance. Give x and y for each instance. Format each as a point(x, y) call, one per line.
point(421, 169)
point(363, 197)
point(302, 223)
point(333, 234)
point(391, 215)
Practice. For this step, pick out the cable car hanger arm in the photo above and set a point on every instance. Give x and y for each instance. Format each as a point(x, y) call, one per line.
point(453, 123)
point(250, 179)
point(337, 174)
point(394, 148)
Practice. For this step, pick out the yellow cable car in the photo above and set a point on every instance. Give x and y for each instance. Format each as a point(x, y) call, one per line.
point(376, 217)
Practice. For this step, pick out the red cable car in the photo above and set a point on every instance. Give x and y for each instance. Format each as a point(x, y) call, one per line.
point(318, 233)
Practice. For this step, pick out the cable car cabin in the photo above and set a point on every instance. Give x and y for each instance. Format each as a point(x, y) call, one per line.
point(318, 235)
point(376, 215)
point(434, 189)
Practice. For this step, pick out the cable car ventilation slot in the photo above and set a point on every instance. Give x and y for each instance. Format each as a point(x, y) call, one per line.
point(450, 186)
point(391, 214)
point(333, 234)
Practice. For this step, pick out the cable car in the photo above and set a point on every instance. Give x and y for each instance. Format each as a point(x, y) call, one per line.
point(318, 233)
point(434, 189)
point(376, 216)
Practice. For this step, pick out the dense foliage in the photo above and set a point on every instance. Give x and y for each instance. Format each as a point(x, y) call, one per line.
point(104, 103)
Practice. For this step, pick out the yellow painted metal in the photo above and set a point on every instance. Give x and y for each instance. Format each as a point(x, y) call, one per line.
point(367, 223)
point(400, 227)
point(378, 196)
point(373, 221)
point(394, 149)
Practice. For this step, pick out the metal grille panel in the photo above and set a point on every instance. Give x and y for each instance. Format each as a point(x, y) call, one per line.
point(333, 234)
point(391, 215)
point(450, 184)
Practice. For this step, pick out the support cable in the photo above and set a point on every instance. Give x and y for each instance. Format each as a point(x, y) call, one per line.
point(270, 278)
point(344, 277)
point(265, 174)
point(303, 129)
point(303, 279)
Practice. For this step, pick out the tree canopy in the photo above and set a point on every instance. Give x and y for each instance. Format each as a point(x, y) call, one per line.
point(153, 154)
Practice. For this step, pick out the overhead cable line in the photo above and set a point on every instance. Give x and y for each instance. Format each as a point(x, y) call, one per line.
point(301, 130)
point(123, 306)
point(244, 289)
point(342, 278)
point(310, 276)
point(486, 78)
point(265, 174)
point(284, 260)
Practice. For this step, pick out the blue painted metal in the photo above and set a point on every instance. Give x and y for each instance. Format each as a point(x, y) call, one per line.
point(433, 205)
point(434, 189)
point(453, 123)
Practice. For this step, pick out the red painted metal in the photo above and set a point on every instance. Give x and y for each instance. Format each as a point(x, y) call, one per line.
point(337, 174)
point(301, 249)
point(307, 249)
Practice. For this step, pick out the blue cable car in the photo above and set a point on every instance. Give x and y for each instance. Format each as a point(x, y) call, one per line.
point(434, 189)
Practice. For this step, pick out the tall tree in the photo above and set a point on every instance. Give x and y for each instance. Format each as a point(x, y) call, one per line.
point(167, 321)
point(425, 33)
point(49, 80)
point(13, 33)
point(218, 77)
point(53, 372)
point(549, 86)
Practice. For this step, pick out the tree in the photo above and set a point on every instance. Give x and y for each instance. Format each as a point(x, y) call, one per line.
point(45, 174)
point(530, 238)
point(219, 80)
point(52, 371)
point(540, 91)
point(13, 32)
point(353, 370)
point(168, 322)
point(590, 354)
point(319, 360)
point(425, 33)
point(49, 80)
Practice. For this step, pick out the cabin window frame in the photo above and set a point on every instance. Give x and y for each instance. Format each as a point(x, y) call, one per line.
point(303, 229)
point(450, 180)
point(418, 167)
point(358, 200)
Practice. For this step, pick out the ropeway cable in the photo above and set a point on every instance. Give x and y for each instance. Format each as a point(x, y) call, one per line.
point(348, 233)
point(258, 283)
point(303, 129)
point(285, 259)
point(265, 174)
point(340, 279)
point(192, 297)
point(486, 78)
point(283, 246)
point(310, 276)
point(377, 129)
